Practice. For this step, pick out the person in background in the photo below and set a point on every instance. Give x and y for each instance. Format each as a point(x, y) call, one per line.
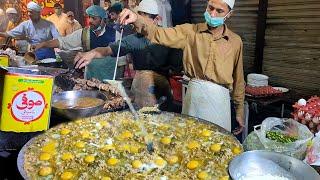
point(3, 25)
point(125, 3)
point(212, 59)
point(107, 4)
point(114, 11)
point(165, 13)
point(3, 21)
point(133, 5)
point(97, 35)
point(35, 30)
point(152, 62)
point(12, 15)
point(113, 15)
point(181, 11)
point(73, 23)
point(59, 19)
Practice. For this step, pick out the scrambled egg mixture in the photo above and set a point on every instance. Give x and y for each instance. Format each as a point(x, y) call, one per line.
point(112, 146)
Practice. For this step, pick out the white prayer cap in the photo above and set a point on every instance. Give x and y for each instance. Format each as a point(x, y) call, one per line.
point(229, 2)
point(33, 6)
point(11, 11)
point(149, 6)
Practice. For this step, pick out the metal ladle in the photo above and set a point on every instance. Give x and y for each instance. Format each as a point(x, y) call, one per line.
point(119, 86)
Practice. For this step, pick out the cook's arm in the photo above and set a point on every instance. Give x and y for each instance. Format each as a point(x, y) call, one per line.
point(4, 34)
point(48, 44)
point(17, 32)
point(175, 37)
point(83, 59)
point(68, 42)
point(101, 52)
point(239, 85)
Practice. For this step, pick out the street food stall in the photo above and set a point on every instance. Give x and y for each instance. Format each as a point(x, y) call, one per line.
point(57, 124)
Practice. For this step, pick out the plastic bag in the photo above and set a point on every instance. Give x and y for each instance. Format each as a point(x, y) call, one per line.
point(287, 127)
point(313, 151)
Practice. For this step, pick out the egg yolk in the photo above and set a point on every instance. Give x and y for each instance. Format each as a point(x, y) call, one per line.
point(45, 157)
point(80, 144)
point(65, 131)
point(45, 171)
point(203, 175)
point(134, 149)
point(85, 134)
point(160, 162)
point(236, 150)
point(192, 164)
point(215, 147)
point(165, 140)
point(66, 175)
point(67, 156)
point(50, 147)
point(206, 133)
point(193, 145)
point(112, 161)
point(136, 164)
point(89, 159)
point(126, 135)
point(173, 159)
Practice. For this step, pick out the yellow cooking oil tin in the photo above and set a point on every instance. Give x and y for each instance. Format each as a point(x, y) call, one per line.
point(4, 60)
point(25, 99)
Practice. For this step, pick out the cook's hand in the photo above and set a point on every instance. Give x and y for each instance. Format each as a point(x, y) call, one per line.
point(241, 126)
point(127, 16)
point(83, 59)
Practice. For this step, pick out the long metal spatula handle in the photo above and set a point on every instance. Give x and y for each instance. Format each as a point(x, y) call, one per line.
point(118, 53)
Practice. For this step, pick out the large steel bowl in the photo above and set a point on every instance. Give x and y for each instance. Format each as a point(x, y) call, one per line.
point(260, 162)
point(75, 113)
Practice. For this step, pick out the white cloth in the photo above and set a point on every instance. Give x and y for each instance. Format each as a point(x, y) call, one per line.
point(165, 13)
point(208, 101)
point(33, 6)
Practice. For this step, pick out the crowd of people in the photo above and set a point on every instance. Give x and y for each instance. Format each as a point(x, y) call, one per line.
point(208, 53)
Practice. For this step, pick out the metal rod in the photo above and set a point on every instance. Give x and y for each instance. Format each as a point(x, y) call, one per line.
point(118, 53)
